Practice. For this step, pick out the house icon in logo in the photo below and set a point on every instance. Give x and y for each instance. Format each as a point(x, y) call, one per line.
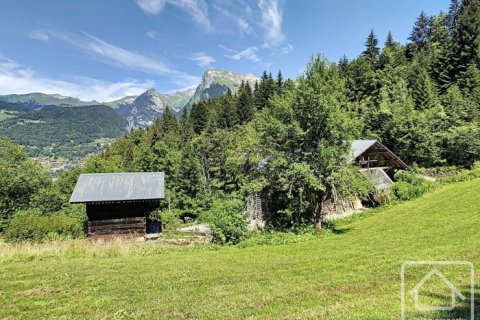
point(454, 293)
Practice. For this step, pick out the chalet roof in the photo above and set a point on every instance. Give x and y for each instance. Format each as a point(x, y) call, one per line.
point(361, 147)
point(105, 187)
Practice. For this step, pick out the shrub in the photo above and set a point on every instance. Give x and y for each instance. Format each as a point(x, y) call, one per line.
point(170, 219)
point(31, 225)
point(410, 185)
point(277, 238)
point(227, 221)
point(463, 175)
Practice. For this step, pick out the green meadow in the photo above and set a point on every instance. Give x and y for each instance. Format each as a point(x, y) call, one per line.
point(350, 273)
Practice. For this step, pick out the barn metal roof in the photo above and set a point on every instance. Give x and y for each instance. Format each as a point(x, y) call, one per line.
point(360, 146)
point(132, 186)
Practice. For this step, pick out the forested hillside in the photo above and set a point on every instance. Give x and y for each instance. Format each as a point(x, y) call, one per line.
point(287, 140)
point(54, 131)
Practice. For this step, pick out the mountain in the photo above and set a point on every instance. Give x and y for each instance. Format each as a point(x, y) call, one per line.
point(179, 99)
point(117, 103)
point(53, 125)
point(216, 82)
point(143, 110)
point(41, 99)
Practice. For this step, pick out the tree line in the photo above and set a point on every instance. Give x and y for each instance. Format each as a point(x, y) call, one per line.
point(287, 140)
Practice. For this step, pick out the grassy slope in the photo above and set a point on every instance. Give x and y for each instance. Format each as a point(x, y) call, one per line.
point(351, 275)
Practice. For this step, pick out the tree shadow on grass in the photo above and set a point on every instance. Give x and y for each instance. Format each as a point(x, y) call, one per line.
point(462, 310)
point(332, 227)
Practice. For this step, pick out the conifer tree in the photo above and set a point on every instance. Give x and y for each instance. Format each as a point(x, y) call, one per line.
point(245, 105)
point(420, 32)
point(441, 54)
point(343, 65)
point(262, 92)
point(228, 117)
point(279, 82)
point(168, 122)
point(371, 48)
point(452, 16)
point(389, 42)
point(199, 115)
point(186, 126)
point(423, 90)
point(467, 39)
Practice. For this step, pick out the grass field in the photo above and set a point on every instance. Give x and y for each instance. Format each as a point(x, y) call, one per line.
point(353, 274)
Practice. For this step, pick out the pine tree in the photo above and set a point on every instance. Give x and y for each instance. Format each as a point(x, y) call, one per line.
point(343, 65)
point(467, 39)
point(472, 87)
point(441, 55)
point(186, 126)
point(199, 115)
point(452, 16)
point(245, 105)
point(262, 92)
point(389, 42)
point(371, 48)
point(458, 108)
point(228, 117)
point(420, 32)
point(168, 123)
point(279, 82)
point(423, 89)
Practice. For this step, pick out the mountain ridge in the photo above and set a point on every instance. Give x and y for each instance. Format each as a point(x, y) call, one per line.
point(22, 115)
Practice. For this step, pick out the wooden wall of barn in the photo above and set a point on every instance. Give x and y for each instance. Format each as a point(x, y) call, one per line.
point(118, 219)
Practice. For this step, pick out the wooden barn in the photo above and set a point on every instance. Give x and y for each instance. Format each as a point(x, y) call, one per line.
point(119, 204)
point(376, 162)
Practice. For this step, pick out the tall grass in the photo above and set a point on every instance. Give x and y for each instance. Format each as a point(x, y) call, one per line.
point(83, 248)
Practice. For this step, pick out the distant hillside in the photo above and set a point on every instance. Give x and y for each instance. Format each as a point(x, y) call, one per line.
point(55, 131)
point(53, 125)
point(41, 99)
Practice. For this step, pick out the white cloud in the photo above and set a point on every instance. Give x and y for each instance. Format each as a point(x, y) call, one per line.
point(119, 57)
point(197, 9)
point(15, 78)
point(286, 49)
point(38, 35)
point(249, 53)
point(271, 22)
point(242, 24)
point(151, 6)
point(202, 59)
point(152, 34)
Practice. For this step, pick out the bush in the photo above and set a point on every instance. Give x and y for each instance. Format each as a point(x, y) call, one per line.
point(463, 175)
point(410, 185)
point(31, 225)
point(277, 238)
point(170, 219)
point(227, 221)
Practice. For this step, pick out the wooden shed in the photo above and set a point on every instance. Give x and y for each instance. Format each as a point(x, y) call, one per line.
point(120, 203)
point(376, 162)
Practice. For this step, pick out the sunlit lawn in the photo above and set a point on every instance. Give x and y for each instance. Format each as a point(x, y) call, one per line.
point(354, 274)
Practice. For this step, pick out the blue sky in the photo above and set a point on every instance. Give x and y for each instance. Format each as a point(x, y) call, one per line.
point(106, 49)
